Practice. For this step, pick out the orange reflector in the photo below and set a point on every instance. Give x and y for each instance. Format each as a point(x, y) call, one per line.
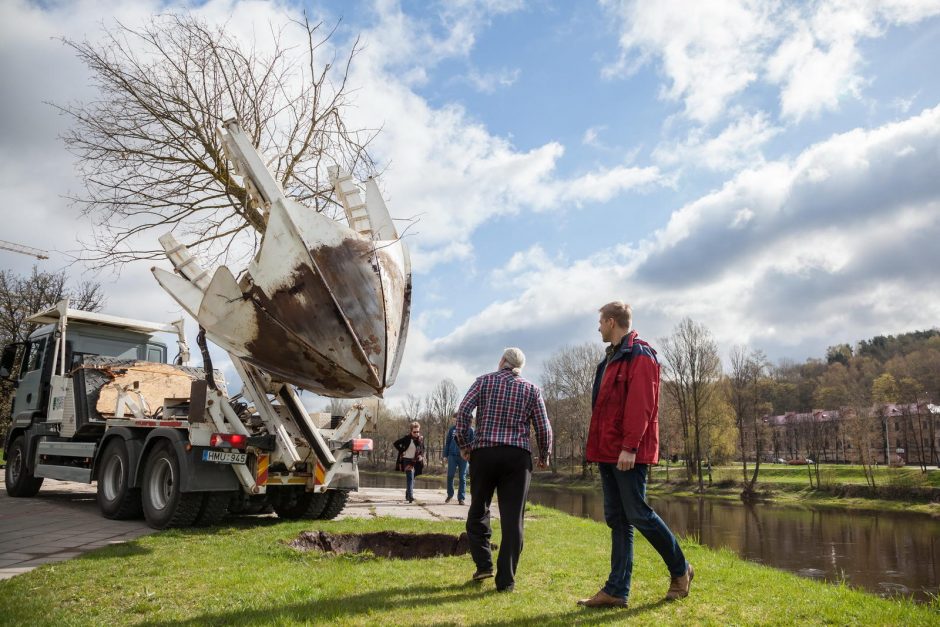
point(362, 444)
point(261, 477)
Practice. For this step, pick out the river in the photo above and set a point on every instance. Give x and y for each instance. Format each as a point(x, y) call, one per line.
point(885, 553)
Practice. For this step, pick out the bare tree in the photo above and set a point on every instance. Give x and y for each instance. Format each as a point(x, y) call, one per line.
point(884, 391)
point(22, 296)
point(147, 145)
point(910, 392)
point(411, 407)
point(569, 376)
point(693, 370)
point(748, 367)
point(442, 405)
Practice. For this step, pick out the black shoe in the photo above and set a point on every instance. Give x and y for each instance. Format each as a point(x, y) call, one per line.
point(461, 502)
point(508, 588)
point(480, 575)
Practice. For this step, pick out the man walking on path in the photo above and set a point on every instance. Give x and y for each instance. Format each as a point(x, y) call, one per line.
point(500, 460)
point(455, 464)
point(624, 440)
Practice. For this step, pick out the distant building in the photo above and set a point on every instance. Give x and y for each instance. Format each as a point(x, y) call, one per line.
point(892, 433)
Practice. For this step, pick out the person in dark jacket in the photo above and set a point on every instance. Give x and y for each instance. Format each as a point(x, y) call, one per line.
point(624, 441)
point(456, 465)
point(410, 458)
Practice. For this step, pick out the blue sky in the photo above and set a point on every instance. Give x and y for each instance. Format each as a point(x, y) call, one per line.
point(766, 168)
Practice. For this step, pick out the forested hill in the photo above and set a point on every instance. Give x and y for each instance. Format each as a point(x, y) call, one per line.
point(884, 347)
point(901, 368)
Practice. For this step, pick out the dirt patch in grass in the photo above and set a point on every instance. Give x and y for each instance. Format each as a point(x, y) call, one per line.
point(385, 544)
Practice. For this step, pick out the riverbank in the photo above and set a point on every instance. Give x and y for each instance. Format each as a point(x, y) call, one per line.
point(245, 573)
point(843, 487)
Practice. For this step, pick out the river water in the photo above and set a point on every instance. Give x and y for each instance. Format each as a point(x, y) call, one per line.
point(885, 553)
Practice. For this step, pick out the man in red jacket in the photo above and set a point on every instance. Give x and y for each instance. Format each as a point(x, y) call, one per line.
point(624, 441)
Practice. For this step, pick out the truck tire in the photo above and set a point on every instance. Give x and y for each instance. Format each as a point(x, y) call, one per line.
point(335, 504)
point(296, 503)
point(164, 505)
point(214, 508)
point(18, 477)
point(115, 499)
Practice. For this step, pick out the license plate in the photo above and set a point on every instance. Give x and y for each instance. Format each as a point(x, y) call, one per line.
point(221, 457)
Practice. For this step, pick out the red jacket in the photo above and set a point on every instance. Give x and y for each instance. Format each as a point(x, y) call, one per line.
point(625, 405)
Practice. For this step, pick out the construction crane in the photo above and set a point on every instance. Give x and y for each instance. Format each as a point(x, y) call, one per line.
point(26, 250)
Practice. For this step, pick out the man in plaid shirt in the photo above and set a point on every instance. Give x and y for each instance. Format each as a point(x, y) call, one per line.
point(500, 460)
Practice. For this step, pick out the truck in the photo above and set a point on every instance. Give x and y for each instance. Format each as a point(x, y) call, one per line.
point(322, 306)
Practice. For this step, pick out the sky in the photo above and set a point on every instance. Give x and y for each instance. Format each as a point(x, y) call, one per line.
point(769, 169)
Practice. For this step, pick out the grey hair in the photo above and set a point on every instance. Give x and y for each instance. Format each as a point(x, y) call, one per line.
point(514, 358)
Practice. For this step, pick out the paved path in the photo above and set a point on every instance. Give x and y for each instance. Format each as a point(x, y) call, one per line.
point(63, 521)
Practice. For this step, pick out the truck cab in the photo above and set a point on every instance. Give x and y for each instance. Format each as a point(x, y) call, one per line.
point(87, 337)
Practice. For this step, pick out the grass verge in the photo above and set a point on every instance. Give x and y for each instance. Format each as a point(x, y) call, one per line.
point(246, 575)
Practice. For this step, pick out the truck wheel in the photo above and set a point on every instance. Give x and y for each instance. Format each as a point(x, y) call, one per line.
point(115, 499)
point(164, 505)
point(18, 477)
point(296, 503)
point(335, 505)
point(214, 508)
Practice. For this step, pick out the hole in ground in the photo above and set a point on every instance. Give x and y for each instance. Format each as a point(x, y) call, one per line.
point(385, 544)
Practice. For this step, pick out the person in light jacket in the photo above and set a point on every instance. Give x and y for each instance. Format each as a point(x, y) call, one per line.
point(410, 458)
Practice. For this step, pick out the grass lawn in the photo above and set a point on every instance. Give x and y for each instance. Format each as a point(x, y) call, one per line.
point(244, 574)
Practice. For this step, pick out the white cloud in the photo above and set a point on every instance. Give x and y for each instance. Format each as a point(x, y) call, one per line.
point(779, 256)
point(454, 174)
point(737, 145)
point(707, 50)
point(712, 52)
point(489, 82)
point(592, 136)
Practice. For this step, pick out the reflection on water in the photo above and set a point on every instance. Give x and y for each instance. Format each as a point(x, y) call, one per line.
point(885, 553)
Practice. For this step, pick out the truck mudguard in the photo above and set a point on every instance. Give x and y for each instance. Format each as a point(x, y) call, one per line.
point(134, 443)
point(195, 474)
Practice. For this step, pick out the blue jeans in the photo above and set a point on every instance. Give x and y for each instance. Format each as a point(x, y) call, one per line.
point(456, 463)
point(625, 507)
point(409, 485)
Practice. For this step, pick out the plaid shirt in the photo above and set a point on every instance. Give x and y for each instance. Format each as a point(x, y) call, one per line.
point(505, 405)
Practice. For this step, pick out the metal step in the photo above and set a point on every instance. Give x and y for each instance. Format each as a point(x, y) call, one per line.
point(67, 449)
point(63, 473)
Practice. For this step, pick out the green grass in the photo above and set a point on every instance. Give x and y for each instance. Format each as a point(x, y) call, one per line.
point(247, 575)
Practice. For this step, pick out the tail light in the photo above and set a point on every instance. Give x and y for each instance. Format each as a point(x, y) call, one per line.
point(228, 440)
point(361, 444)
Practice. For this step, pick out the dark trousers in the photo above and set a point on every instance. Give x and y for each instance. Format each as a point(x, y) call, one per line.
point(626, 509)
point(507, 470)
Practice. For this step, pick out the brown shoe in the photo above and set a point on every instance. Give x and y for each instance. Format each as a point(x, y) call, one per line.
point(679, 587)
point(602, 599)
